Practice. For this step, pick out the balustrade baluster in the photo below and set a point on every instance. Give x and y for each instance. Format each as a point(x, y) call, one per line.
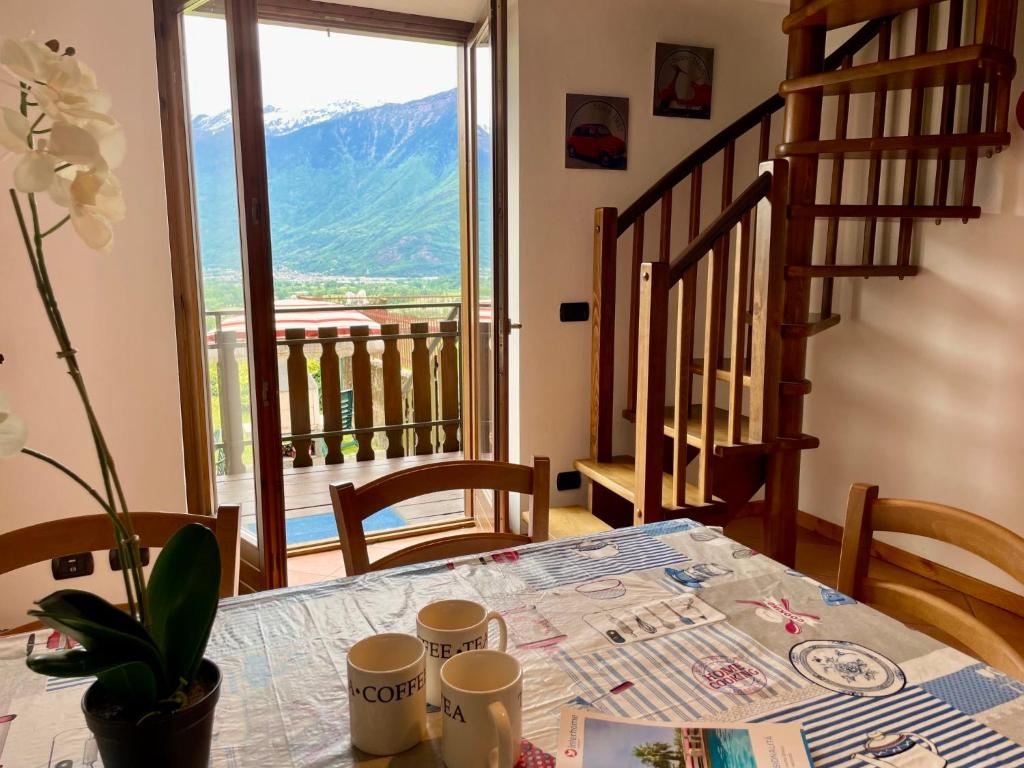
point(764, 146)
point(650, 414)
point(391, 367)
point(712, 347)
point(835, 196)
point(739, 324)
point(421, 401)
point(298, 397)
point(685, 320)
point(450, 385)
point(634, 310)
point(330, 391)
point(875, 163)
point(910, 168)
point(362, 392)
point(724, 245)
point(229, 396)
point(947, 112)
point(665, 242)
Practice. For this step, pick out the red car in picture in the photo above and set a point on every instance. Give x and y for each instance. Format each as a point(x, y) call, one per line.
point(593, 141)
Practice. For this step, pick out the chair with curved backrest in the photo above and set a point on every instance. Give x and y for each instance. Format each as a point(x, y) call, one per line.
point(352, 506)
point(866, 513)
point(91, 533)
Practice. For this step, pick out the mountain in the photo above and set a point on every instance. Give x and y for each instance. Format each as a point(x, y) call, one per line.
point(354, 189)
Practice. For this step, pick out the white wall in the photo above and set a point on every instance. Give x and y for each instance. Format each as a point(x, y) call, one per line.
point(118, 307)
point(919, 387)
point(606, 47)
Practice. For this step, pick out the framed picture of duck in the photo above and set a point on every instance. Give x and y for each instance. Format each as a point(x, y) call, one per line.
point(682, 80)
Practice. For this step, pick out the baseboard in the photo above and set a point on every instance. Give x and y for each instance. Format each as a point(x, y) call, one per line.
point(953, 579)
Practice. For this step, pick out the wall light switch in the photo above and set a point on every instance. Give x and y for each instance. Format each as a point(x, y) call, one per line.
point(72, 566)
point(114, 557)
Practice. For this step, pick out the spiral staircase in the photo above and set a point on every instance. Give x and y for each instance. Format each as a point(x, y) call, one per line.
point(878, 138)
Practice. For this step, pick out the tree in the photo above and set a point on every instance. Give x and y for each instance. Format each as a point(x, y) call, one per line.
point(657, 754)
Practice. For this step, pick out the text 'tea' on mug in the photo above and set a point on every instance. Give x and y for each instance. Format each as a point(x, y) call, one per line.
point(387, 693)
point(481, 710)
point(450, 627)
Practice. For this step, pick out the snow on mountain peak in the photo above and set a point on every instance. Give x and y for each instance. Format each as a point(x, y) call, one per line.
point(278, 121)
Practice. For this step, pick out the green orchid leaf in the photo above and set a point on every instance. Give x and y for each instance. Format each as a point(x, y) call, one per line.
point(109, 644)
point(85, 605)
point(183, 592)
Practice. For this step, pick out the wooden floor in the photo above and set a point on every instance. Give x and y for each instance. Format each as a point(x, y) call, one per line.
point(817, 557)
point(306, 489)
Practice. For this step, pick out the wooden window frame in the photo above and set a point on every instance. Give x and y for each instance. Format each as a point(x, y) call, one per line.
point(242, 18)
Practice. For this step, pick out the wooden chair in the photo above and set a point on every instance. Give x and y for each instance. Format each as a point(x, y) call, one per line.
point(352, 506)
point(866, 513)
point(91, 533)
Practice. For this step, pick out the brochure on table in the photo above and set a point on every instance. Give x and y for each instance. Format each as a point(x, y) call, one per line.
point(589, 739)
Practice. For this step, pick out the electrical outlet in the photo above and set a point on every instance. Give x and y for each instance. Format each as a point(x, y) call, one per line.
point(72, 566)
point(567, 481)
point(114, 558)
point(574, 312)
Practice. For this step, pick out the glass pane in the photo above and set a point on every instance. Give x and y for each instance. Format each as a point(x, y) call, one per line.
point(362, 166)
point(485, 245)
point(220, 256)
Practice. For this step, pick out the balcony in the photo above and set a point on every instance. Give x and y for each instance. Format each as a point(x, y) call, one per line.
point(366, 388)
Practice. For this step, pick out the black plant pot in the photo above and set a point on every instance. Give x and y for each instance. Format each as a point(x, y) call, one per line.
point(178, 740)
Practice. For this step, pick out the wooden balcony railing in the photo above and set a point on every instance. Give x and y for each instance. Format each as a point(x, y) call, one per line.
point(347, 391)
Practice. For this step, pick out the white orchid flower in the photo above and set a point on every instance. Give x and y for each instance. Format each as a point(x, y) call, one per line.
point(13, 433)
point(65, 144)
point(94, 200)
point(27, 60)
point(14, 130)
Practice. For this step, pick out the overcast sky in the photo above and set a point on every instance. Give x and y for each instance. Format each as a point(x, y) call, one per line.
point(306, 68)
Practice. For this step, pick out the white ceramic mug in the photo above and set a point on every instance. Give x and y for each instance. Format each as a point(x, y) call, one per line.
point(482, 710)
point(450, 627)
point(387, 693)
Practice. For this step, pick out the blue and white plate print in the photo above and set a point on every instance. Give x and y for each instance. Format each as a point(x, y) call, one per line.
point(846, 667)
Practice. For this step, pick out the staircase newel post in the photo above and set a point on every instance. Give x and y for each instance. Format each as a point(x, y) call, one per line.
point(769, 285)
point(802, 123)
point(602, 352)
point(650, 390)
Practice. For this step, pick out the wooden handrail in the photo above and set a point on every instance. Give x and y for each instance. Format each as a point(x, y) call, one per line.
point(735, 130)
point(719, 227)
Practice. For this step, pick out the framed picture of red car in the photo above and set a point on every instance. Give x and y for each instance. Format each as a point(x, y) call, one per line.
point(682, 80)
point(596, 131)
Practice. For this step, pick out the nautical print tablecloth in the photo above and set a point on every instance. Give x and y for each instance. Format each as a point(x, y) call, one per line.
point(665, 621)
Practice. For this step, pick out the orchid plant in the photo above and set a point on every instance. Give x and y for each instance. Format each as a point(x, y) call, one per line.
point(65, 146)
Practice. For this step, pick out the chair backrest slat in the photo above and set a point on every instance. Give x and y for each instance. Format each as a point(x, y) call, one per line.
point(867, 514)
point(452, 546)
point(92, 533)
point(352, 505)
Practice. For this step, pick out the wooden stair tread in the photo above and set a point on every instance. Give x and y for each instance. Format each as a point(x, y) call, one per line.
point(724, 372)
point(564, 522)
point(851, 270)
point(833, 14)
point(815, 324)
point(880, 212)
point(951, 66)
point(619, 477)
point(954, 145)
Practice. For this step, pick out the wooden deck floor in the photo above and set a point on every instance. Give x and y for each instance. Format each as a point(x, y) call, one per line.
point(306, 490)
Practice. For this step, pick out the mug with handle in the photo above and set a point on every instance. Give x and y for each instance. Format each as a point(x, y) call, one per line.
point(482, 710)
point(387, 693)
point(451, 627)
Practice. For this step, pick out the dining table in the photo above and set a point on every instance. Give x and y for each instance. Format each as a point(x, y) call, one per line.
point(665, 621)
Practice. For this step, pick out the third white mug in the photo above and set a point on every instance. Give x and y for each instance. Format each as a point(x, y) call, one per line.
point(481, 710)
point(451, 627)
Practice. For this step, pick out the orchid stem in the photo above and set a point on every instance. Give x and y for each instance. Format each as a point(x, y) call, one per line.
point(56, 226)
point(70, 473)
